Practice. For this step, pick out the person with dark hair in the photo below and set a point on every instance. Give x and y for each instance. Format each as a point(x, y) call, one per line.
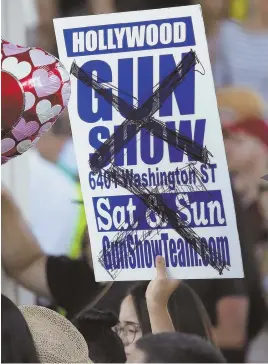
point(162, 305)
point(72, 285)
point(17, 345)
point(104, 344)
point(185, 307)
point(174, 348)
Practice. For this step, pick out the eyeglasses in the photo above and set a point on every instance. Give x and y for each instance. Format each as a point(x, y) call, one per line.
point(127, 332)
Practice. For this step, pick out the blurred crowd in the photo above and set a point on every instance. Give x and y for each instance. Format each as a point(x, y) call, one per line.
point(225, 319)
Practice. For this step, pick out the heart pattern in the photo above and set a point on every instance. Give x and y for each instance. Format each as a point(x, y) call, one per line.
point(45, 88)
point(64, 74)
point(23, 129)
point(19, 69)
point(24, 146)
point(46, 84)
point(40, 58)
point(11, 49)
point(29, 100)
point(45, 111)
point(66, 93)
point(35, 140)
point(7, 144)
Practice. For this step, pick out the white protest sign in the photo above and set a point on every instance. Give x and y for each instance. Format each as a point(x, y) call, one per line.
point(149, 145)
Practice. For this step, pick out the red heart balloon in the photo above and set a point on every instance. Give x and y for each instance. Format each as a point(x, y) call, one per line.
point(35, 90)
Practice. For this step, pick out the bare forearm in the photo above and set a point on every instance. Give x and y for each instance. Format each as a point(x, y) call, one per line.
point(34, 277)
point(159, 318)
point(19, 247)
point(22, 257)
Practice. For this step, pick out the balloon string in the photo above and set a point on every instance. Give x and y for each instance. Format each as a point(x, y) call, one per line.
point(92, 303)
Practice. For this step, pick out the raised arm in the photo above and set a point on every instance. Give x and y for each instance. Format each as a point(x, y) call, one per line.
point(158, 293)
point(53, 277)
point(22, 257)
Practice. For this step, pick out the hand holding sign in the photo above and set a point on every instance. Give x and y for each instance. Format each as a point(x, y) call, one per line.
point(158, 294)
point(161, 288)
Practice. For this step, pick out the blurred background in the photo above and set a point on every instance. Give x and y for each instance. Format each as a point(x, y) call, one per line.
point(45, 180)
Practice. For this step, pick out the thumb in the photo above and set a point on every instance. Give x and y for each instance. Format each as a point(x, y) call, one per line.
point(160, 267)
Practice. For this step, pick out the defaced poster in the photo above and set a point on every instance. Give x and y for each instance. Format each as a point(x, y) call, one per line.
point(149, 145)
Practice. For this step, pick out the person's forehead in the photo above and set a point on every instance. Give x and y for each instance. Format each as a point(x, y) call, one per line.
point(127, 311)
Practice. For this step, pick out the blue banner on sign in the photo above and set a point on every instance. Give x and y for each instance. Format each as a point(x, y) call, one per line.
point(197, 209)
point(127, 37)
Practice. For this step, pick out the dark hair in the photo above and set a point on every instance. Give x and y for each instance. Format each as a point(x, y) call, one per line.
point(177, 347)
point(104, 345)
point(185, 308)
point(17, 342)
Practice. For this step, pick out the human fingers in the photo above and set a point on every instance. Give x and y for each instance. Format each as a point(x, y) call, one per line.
point(161, 271)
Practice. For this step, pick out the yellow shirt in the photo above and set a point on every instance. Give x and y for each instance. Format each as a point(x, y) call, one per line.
point(239, 9)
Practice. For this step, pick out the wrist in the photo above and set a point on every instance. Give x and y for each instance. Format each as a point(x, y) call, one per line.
point(160, 318)
point(156, 306)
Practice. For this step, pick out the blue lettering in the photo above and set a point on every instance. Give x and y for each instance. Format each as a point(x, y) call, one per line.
point(101, 110)
point(97, 136)
point(139, 251)
point(130, 148)
point(156, 248)
point(172, 251)
point(203, 170)
point(193, 255)
point(93, 107)
point(184, 92)
point(106, 253)
point(164, 237)
point(181, 253)
point(147, 155)
point(125, 86)
point(204, 249)
point(131, 252)
point(185, 129)
point(212, 250)
point(187, 246)
point(123, 256)
point(213, 167)
point(223, 250)
point(148, 254)
point(145, 81)
point(115, 256)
